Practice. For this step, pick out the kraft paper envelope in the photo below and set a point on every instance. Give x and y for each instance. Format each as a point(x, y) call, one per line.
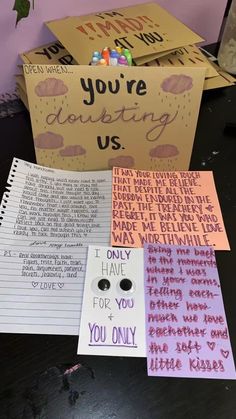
point(51, 53)
point(222, 80)
point(21, 89)
point(145, 29)
point(55, 53)
point(20, 80)
point(189, 55)
point(22, 96)
point(91, 118)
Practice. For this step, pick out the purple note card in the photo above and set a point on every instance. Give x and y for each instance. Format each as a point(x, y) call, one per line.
point(186, 327)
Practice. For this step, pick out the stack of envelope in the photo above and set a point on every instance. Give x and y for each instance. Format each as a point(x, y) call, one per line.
point(153, 36)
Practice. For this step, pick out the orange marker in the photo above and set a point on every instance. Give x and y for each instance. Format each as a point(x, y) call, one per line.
point(106, 54)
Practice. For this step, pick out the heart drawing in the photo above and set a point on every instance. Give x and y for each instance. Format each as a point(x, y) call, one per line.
point(35, 284)
point(225, 354)
point(60, 284)
point(211, 345)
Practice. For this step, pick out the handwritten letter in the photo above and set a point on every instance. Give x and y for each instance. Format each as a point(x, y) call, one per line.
point(186, 327)
point(166, 208)
point(48, 217)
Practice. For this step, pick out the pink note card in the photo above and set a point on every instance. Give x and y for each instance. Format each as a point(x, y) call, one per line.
point(179, 208)
point(186, 327)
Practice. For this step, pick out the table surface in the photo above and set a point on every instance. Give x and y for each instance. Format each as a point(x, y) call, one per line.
point(32, 384)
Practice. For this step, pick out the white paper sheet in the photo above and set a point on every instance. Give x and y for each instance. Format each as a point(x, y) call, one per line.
point(48, 218)
point(113, 313)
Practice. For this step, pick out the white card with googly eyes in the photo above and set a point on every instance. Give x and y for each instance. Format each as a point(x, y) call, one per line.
point(113, 309)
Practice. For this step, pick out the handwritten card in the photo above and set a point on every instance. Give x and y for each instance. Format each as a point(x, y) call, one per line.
point(186, 327)
point(186, 56)
point(145, 29)
point(166, 207)
point(52, 53)
point(47, 219)
point(112, 320)
point(90, 118)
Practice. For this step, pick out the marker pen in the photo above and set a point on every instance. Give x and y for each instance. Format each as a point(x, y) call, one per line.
point(122, 61)
point(114, 56)
point(97, 54)
point(127, 54)
point(94, 61)
point(119, 50)
point(106, 54)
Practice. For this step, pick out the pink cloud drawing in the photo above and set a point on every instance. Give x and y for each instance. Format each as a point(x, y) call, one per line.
point(164, 151)
point(177, 84)
point(72, 150)
point(121, 161)
point(51, 87)
point(49, 140)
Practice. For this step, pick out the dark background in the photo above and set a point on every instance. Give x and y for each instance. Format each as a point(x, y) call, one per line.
point(32, 384)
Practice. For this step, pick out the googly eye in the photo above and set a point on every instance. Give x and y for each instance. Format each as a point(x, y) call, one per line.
point(104, 284)
point(100, 285)
point(126, 286)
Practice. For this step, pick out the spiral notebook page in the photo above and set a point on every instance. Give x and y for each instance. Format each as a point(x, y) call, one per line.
point(48, 218)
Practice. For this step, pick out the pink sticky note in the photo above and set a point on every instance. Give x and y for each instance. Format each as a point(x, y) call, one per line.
point(179, 208)
point(186, 327)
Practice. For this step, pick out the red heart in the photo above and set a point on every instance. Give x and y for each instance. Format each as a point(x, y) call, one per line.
point(211, 345)
point(224, 353)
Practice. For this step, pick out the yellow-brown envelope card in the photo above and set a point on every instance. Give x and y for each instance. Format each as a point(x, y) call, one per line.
point(51, 53)
point(223, 79)
point(189, 55)
point(91, 117)
point(21, 89)
point(144, 29)
point(20, 80)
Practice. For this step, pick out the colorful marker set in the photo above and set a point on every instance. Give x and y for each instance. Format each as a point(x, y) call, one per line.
point(113, 57)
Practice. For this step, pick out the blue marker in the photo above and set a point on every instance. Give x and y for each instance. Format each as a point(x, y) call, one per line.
point(97, 54)
point(114, 56)
point(94, 61)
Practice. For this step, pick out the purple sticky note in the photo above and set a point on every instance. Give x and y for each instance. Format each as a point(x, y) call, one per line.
point(186, 327)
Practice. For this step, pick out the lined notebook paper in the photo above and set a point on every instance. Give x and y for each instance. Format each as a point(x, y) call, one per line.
point(48, 218)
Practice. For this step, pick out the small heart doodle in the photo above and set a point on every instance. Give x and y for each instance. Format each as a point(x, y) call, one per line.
point(211, 345)
point(60, 284)
point(35, 284)
point(225, 354)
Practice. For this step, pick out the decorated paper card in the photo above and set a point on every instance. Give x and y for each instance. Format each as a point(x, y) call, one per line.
point(48, 218)
point(112, 319)
point(144, 29)
point(52, 53)
point(186, 326)
point(179, 208)
point(89, 118)
point(186, 56)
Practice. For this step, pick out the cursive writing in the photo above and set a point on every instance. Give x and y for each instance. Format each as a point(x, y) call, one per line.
point(123, 114)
